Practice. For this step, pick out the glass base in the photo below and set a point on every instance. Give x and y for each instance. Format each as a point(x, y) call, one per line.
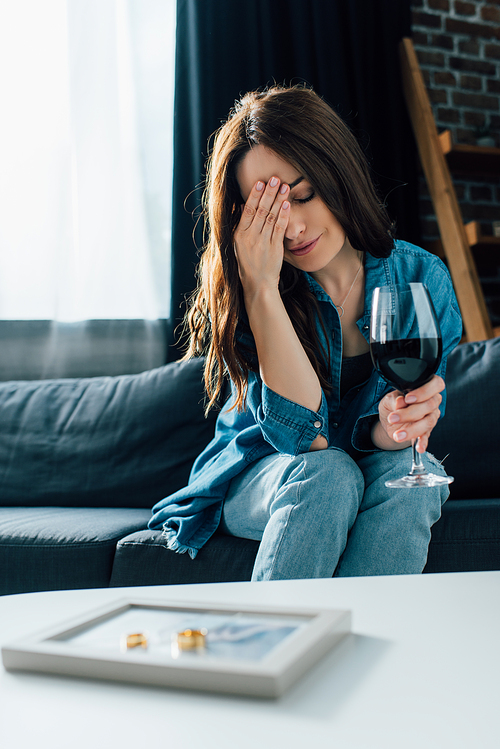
point(416, 480)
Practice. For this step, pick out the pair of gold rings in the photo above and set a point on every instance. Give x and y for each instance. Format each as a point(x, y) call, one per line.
point(187, 639)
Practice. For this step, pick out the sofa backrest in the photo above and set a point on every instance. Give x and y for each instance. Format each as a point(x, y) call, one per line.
point(469, 434)
point(123, 441)
point(130, 440)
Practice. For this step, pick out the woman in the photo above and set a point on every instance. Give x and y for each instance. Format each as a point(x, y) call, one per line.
point(296, 242)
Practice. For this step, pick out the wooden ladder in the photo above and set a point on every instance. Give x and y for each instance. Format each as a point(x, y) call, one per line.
point(454, 236)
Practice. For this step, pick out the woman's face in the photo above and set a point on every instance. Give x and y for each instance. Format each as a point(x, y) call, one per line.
point(313, 237)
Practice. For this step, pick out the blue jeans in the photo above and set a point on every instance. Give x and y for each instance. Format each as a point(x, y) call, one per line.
point(321, 514)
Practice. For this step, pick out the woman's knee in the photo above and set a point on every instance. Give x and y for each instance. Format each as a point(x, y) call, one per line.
point(325, 486)
point(334, 471)
point(334, 465)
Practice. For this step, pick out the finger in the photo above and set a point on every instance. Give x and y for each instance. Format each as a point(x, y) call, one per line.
point(281, 222)
point(392, 401)
point(249, 209)
point(266, 202)
point(422, 443)
point(278, 216)
point(415, 412)
point(270, 213)
point(409, 431)
point(393, 408)
point(435, 385)
point(400, 403)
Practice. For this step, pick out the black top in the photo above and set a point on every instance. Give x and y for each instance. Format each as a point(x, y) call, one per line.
point(355, 371)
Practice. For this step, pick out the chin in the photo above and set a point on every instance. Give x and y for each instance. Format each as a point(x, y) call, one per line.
point(307, 263)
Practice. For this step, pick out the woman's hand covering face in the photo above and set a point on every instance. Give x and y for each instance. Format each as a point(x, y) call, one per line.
point(259, 237)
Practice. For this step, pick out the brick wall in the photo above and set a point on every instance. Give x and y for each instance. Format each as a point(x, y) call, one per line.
point(458, 46)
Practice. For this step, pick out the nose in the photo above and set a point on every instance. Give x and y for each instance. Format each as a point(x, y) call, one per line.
point(296, 225)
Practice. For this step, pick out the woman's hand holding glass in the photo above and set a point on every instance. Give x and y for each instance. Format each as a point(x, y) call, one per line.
point(259, 237)
point(407, 358)
point(413, 416)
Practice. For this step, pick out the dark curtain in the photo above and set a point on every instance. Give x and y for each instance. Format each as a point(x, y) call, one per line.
point(347, 50)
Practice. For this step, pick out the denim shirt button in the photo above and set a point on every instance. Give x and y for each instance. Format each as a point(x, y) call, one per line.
point(366, 327)
point(335, 425)
point(317, 424)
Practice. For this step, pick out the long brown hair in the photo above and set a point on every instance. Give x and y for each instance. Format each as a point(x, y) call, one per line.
point(297, 125)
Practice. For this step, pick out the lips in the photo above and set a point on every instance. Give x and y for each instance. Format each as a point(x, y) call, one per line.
point(304, 248)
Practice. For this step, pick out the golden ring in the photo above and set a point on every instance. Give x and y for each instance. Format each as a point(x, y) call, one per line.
point(136, 640)
point(191, 638)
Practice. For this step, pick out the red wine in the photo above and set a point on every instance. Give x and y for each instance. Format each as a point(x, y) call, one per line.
point(407, 363)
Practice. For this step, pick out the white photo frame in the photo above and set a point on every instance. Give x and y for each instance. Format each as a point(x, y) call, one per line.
point(249, 650)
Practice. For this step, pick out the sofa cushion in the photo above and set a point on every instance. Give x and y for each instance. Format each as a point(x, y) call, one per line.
point(52, 548)
point(469, 434)
point(143, 559)
point(466, 538)
point(124, 441)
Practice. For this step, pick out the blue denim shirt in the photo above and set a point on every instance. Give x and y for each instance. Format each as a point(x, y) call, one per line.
point(271, 423)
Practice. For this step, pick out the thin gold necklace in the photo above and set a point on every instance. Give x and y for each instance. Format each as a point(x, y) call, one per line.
point(341, 306)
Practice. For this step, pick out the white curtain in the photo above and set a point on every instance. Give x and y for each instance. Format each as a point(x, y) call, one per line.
point(86, 92)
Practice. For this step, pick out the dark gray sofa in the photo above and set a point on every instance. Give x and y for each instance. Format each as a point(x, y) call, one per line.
point(82, 461)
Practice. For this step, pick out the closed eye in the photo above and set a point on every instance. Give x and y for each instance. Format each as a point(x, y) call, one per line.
point(305, 200)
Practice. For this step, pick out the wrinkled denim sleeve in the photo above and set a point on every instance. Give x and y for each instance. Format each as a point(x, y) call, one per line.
point(361, 438)
point(287, 426)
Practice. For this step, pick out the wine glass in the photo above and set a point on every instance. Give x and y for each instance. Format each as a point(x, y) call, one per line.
point(406, 349)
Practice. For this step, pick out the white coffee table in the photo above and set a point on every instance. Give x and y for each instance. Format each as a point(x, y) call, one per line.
point(421, 670)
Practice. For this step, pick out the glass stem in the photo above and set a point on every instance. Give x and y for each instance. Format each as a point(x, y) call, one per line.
point(417, 467)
